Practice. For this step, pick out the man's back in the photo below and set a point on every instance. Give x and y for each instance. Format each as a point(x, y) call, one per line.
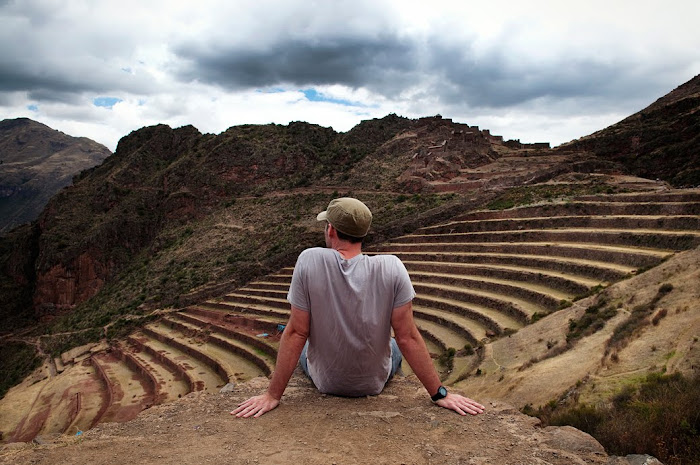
point(344, 305)
point(350, 303)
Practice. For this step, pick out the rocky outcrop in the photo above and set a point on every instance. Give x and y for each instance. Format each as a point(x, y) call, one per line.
point(398, 426)
point(65, 285)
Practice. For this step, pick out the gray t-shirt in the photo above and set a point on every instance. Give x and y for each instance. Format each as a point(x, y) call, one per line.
point(351, 302)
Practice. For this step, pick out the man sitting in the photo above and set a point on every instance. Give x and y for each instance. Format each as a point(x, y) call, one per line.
point(343, 307)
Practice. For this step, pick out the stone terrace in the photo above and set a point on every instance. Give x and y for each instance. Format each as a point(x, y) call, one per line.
point(480, 276)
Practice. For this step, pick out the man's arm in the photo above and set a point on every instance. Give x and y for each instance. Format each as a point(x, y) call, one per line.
point(292, 342)
point(416, 354)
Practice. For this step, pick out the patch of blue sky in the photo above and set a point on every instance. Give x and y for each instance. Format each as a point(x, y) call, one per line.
point(314, 96)
point(33, 107)
point(106, 102)
point(271, 90)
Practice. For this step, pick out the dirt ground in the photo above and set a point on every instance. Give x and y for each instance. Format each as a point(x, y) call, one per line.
point(399, 426)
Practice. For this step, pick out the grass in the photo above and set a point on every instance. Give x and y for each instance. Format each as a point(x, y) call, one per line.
point(591, 321)
point(659, 416)
point(526, 195)
point(56, 344)
point(638, 319)
point(17, 360)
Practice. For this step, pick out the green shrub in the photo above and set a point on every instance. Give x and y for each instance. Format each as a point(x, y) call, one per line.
point(17, 360)
point(446, 359)
point(638, 319)
point(468, 349)
point(660, 417)
point(592, 321)
point(564, 304)
point(665, 289)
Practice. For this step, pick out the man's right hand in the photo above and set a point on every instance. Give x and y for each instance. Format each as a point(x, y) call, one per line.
point(256, 406)
point(460, 404)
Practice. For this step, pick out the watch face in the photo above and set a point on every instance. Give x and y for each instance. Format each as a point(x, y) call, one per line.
point(440, 394)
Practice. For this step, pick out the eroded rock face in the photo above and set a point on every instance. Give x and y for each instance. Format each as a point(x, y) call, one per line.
point(63, 287)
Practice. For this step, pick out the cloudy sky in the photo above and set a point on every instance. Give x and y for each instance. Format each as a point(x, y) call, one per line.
point(529, 70)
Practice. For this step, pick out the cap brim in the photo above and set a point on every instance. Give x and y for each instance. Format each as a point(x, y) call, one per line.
point(323, 216)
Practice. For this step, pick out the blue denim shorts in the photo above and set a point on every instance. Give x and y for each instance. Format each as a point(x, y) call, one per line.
point(396, 359)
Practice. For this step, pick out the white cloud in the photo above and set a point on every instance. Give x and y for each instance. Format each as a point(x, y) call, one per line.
point(537, 71)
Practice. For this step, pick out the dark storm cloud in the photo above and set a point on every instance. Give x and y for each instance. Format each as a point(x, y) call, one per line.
point(389, 64)
point(501, 78)
point(42, 86)
point(63, 79)
point(498, 83)
point(380, 63)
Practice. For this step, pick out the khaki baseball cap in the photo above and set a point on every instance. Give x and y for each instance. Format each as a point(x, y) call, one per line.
point(348, 215)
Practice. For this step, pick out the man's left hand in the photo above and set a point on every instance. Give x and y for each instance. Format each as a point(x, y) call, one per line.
point(460, 404)
point(256, 406)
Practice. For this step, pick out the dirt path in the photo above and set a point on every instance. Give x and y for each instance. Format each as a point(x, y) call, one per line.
point(398, 426)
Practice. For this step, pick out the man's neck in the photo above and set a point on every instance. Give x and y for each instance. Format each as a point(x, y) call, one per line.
point(349, 250)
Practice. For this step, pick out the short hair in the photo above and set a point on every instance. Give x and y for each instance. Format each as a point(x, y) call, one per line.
point(349, 238)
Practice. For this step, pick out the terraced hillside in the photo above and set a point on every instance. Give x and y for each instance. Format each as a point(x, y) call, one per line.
point(478, 277)
point(489, 273)
point(182, 352)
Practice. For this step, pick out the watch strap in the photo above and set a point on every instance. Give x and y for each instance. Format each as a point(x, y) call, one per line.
point(440, 394)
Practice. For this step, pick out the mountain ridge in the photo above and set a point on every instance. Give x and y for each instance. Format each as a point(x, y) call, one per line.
point(37, 162)
point(659, 141)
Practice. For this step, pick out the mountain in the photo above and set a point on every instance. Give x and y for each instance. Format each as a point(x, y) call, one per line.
point(661, 141)
point(175, 215)
point(37, 162)
point(161, 186)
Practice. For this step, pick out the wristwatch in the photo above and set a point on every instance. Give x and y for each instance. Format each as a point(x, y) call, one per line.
point(440, 394)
